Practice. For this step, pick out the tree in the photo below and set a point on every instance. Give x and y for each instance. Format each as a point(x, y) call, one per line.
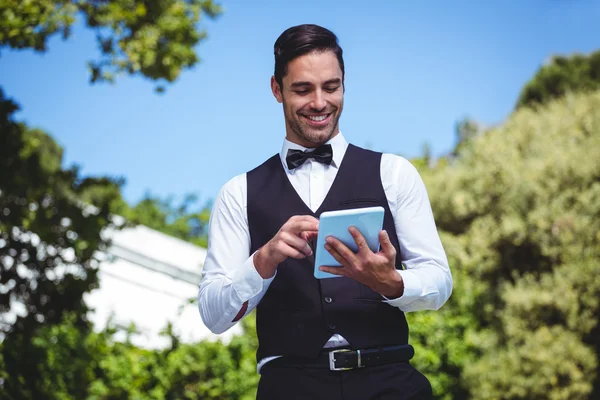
point(42, 203)
point(39, 199)
point(181, 221)
point(51, 217)
point(49, 238)
point(75, 363)
point(50, 232)
point(562, 75)
point(519, 216)
point(466, 130)
point(154, 39)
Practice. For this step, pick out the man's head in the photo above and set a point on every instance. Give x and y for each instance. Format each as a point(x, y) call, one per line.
point(309, 81)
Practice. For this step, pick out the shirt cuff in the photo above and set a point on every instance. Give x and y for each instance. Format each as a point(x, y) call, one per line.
point(247, 282)
point(412, 289)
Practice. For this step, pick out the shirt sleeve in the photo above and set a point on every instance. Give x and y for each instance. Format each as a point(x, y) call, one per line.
point(230, 283)
point(427, 277)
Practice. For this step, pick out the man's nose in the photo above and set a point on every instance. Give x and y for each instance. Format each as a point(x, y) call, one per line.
point(318, 101)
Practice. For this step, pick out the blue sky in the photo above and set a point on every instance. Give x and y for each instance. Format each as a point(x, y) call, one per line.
point(412, 70)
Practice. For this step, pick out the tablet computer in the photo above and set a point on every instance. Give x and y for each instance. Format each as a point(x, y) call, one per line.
point(368, 220)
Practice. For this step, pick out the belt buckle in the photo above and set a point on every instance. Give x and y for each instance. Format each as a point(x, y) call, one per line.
point(332, 360)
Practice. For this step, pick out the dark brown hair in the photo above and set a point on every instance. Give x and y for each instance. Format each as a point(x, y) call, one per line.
point(300, 40)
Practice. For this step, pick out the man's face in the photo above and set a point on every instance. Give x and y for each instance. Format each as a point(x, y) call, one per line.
point(312, 97)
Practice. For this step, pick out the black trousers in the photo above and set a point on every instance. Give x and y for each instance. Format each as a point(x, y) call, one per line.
point(400, 381)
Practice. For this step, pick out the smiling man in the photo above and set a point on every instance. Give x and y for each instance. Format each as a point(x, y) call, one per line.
point(313, 97)
point(343, 338)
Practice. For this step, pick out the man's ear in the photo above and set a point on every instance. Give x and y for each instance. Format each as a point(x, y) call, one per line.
point(276, 89)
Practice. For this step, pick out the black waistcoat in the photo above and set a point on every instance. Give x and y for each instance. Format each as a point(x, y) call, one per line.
point(299, 313)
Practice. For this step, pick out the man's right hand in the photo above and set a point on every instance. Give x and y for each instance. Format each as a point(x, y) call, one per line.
point(291, 241)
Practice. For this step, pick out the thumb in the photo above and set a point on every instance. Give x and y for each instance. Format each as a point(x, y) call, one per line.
point(386, 244)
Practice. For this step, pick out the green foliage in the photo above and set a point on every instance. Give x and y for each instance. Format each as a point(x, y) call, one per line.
point(155, 38)
point(72, 362)
point(212, 370)
point(47, 221)
point(48, 236)
point(182, 221)
point(51, 218)
point(466, 130)
point(442, 338)
point(520, 215)
point(55, 363)
point(562, 75)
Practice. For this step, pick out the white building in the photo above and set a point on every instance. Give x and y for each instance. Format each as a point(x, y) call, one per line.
point(150, 278)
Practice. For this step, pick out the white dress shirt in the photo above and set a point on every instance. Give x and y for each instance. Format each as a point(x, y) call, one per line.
point(229, 277)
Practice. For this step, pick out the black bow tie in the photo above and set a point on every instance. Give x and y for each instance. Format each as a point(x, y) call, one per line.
point(322, 154)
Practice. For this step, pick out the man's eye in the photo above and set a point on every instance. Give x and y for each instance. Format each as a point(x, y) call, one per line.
point(331, 89)
point(301, 92)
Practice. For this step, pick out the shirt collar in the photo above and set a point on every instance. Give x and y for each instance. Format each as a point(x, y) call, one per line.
point(338, 145)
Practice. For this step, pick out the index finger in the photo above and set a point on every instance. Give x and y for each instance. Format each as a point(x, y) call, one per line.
point(298, 218)
point(302, 225)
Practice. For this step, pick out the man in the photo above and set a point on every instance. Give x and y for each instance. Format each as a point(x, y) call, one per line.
point(263, 224)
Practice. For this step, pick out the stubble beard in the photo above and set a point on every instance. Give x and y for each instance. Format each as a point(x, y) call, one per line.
point(310, 135)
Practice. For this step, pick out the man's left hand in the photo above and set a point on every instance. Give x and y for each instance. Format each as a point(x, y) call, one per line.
point(375, 270)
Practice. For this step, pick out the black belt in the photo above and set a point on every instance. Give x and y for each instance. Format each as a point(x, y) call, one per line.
point(345, 359)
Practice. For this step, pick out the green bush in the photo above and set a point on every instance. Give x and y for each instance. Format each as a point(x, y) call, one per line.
point(520, 220)
point(562, 75)
point(74, 363)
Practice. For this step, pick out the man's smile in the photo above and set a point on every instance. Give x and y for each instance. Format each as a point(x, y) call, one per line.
point(318, 120)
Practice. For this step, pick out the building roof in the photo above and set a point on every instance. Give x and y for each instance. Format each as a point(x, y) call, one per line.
point(149, 278)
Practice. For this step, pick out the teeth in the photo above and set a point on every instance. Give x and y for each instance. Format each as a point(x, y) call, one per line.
point(317, 117)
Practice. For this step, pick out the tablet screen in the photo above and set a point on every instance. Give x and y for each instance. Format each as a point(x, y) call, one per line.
point(368, 220)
